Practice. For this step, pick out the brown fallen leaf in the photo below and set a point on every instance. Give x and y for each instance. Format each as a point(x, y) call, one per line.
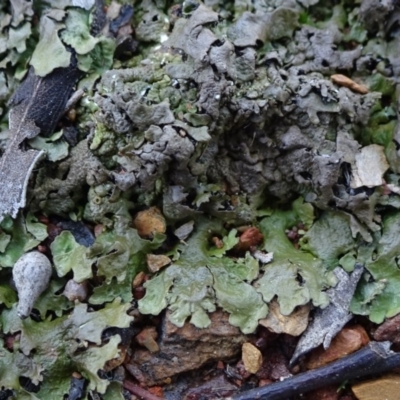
point(252, 358)
point(386, 387)
point(149, 222)
point(294, 324)
point(347, 341)
point(343, 80)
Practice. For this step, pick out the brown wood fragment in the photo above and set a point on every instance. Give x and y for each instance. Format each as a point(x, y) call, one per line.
point(343, 80)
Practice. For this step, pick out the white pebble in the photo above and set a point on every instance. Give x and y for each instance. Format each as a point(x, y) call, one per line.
point(31, 275)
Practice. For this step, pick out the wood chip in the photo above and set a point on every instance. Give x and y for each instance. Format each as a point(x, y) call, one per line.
point(252, 358)
point(343, 80)
point(386, 387)
point(156, 261)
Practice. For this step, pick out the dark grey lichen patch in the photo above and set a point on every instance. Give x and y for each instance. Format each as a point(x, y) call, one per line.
point(208, 106)
point(58, 190)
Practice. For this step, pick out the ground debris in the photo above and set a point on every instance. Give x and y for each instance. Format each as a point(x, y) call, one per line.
point(185, 349)
point(294, 324)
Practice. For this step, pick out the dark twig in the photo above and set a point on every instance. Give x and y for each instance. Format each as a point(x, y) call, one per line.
point(140, 392)
point(372, 359)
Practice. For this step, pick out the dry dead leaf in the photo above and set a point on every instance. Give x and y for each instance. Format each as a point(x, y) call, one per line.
point(294, 324)
point(343, 80)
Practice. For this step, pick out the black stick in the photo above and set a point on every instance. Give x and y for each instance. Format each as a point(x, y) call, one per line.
point(372, 359)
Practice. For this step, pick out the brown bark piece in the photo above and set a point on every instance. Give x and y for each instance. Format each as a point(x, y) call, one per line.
point(387, 387)
point(187, 348)
point(252, 358)
point(389, 330)
point(347, 341)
